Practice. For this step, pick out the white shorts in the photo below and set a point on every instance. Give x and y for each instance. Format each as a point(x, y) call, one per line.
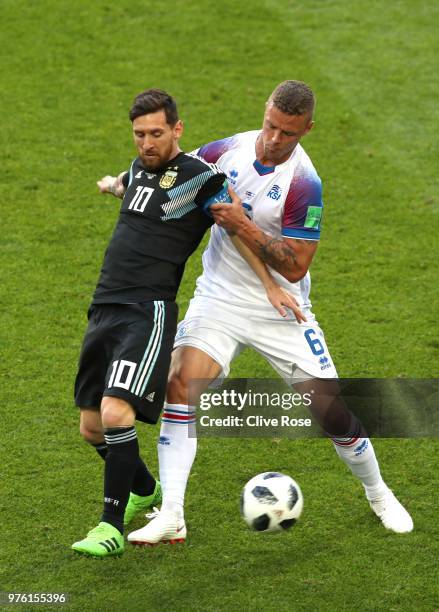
point(222, 331)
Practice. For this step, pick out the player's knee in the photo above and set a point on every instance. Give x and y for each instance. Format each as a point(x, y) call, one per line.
point(116, 413)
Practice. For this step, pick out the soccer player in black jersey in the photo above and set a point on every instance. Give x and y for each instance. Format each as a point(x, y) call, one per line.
point(126, 351)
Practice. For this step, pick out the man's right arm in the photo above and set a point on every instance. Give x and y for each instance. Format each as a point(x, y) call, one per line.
point(116, 185)
point(279, 297)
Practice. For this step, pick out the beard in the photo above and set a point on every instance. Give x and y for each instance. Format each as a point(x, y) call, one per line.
point(152, 162)
point(157, 160)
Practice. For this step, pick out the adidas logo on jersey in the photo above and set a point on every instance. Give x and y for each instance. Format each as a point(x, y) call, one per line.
point(216, 169)
point(150, 397)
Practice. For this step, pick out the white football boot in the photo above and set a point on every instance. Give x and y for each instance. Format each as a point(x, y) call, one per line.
point(164, 527)
point(392, 513)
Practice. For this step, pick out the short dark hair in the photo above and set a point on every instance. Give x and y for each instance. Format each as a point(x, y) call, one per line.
point(153, 100)
point(293, 98)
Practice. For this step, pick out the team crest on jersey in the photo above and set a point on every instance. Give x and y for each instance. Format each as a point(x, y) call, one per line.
point(169, 178)
point(275, 192)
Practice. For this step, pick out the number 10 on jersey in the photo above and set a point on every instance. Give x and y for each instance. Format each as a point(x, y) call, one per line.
point(141, 198)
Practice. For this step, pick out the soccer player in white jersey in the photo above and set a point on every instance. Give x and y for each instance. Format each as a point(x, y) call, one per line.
point(276, 181)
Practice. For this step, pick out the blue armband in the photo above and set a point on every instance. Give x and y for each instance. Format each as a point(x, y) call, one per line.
point(222, 197)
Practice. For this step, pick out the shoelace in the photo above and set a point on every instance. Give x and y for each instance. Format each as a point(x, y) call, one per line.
point(153, 514)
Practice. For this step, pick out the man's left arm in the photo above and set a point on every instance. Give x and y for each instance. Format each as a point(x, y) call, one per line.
point(291, 257)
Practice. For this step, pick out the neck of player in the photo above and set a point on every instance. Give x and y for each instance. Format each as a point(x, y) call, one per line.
point(264, 157)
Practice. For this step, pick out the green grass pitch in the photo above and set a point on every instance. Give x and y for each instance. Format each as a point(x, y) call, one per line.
point(69, 73)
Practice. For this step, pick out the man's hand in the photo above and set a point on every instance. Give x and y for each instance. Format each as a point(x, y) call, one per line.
point(282, 299)
point(291, 257)
point(112, 184)
point(229, 216)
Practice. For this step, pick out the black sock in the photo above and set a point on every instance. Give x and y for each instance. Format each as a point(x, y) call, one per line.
point(120, 466)
point(101, 449)
point(144, 481)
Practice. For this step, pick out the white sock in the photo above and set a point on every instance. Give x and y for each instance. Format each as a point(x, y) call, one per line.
point(359, 456)
point(176, 452)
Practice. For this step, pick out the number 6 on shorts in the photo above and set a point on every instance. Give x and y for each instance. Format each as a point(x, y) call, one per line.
point(314, 343)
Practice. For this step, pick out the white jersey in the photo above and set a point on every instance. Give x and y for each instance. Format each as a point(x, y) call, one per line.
point(283, 200)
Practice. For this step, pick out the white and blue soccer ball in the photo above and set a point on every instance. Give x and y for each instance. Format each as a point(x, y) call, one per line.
point(271, 501)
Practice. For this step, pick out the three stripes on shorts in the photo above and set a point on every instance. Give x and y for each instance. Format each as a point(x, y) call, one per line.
point(120, 377)
point(152, 351)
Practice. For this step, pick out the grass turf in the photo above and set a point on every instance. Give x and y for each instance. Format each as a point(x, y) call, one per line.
point(72, 70)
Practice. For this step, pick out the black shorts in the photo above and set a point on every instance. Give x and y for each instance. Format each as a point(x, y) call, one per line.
point(126, 353)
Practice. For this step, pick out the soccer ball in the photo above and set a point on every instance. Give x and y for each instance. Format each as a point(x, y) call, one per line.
point(271, 502)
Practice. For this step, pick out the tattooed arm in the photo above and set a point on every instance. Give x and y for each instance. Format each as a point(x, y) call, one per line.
point(290, 257)
point(278, 297)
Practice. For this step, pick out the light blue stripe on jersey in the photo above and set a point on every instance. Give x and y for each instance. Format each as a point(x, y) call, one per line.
point(288, 232)
point(182, 197)
point(131, 173)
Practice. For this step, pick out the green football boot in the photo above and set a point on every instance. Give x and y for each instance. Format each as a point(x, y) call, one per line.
point(102, 541)
point(138, 503)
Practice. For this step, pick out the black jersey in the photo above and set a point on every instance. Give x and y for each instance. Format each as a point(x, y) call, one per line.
point(160, 225)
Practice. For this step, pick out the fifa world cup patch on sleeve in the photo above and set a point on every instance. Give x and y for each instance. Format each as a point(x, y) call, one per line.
point(313, 217)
